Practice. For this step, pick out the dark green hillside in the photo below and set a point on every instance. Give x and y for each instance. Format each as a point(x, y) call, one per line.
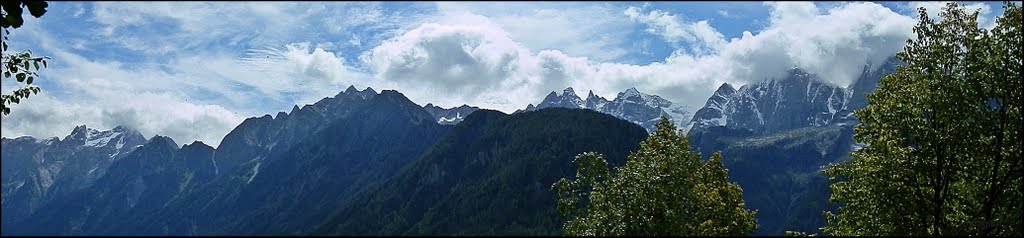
point(490, 175)
point(780, 173)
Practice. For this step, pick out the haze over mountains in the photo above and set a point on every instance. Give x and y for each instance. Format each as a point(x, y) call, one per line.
point(375, 163)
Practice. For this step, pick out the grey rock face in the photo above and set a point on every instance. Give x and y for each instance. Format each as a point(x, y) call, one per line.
point(630, 105)
point(798, 100)
point(37, 171)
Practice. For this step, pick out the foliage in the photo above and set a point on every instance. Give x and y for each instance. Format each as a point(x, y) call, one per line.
point(943, 136)
point(16, 65)
point(663, 189)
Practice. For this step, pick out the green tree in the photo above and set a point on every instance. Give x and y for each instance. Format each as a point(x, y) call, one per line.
point(20, 66)
point(663, 189)
point(943, 154)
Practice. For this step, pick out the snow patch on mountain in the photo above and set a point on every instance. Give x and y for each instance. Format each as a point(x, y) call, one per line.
point(798, 100)
point(100, 139)
point(444, 120)
point(449, 116)
point(630, 105)
point(255, 171)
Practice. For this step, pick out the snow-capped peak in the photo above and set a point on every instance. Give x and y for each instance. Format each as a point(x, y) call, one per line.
point(629, 93)
point(568, 92)
point(81, 132)
point(631, 105)
point(100, 138)
point(116, 138)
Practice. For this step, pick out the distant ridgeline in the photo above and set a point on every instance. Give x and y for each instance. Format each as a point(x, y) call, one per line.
point(369, 163)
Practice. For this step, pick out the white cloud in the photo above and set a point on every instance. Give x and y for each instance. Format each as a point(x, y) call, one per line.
point(197, 96)
point(169, 27)
point(595, 31)
point(985, 13)
point(147, 112)
point(105, 95)
point(835, 44)
point(699, 36)
point(476, 61)
point(439, 62)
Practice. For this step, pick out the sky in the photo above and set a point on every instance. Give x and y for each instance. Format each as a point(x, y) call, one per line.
point(195, 70)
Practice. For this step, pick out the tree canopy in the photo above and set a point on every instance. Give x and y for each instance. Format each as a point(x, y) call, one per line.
point(943, 154)
point(663, 189)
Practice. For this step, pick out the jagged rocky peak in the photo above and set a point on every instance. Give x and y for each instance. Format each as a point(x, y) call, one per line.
point(725, 90)
point(352, 91)
point(162, 140)
point(196, 144)
point(449, 116)
point(81, 132)
point(551, 96)
point(713, 112)
point(628, 94)
point(797, 99)
point(568, 92)
point(631, 105)
point(720, 97)
point(118, 136)
point(568, 99)
point(592, 96)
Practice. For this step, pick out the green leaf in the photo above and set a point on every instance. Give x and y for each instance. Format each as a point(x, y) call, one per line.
point(20, 77)
point(36, 63)
point(29, 80)
point(44, 63)
point(7, 74)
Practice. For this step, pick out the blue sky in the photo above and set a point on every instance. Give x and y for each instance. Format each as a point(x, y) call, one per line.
point(194, 70)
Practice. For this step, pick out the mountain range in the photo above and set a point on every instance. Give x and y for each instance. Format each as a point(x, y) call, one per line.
point(630, 105)
point(374, 163)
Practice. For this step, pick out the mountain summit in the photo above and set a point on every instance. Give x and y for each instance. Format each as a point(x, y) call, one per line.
point(630, 105)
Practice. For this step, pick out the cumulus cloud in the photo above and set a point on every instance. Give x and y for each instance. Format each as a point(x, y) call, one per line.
point(835, 44)
point(149, 113)
point(294, 69)
point(593, 30)
point(193, 98)
point(103, 95)
point(196, 96)
point(451, 62)
point(467, 61)
point(699, 36)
